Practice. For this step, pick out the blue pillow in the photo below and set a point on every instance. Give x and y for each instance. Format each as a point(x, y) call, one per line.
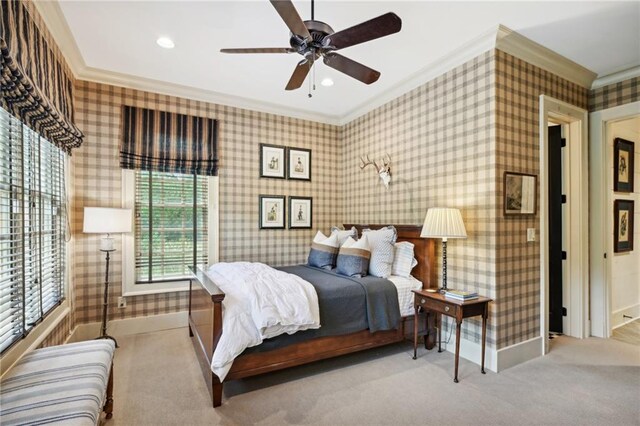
point(353, 258)
point(324, 251)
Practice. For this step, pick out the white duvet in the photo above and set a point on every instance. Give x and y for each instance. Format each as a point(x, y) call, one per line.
point(260, 303)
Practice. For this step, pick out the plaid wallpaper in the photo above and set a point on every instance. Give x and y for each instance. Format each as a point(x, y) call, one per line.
point(59, 334)
point(518, 87)
point(98, 182)
point(441, 140)
point(621, 93)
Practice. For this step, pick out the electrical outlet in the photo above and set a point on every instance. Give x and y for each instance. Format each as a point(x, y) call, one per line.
point(122, 302)
point(531, 234)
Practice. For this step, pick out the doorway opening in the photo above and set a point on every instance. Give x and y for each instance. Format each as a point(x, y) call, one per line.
point(615, 277)
point(570, 254)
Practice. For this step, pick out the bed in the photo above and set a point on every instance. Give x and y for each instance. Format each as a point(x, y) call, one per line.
point(205, 324)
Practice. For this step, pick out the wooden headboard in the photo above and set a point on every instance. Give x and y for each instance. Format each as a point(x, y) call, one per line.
point(424, 251)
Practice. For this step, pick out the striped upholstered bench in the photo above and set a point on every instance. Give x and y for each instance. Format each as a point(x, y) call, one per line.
point(69, 384)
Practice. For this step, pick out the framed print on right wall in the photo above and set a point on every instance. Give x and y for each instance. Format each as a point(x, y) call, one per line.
point(622, 226)
point(299, 164)
point(623, 165)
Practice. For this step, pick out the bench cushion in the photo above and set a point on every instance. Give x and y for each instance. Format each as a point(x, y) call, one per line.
point(59, 384)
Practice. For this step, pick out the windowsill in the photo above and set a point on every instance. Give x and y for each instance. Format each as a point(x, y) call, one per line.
point(34, 338)
point(155, 288)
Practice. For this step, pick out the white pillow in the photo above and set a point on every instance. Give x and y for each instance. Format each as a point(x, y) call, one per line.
point(362, 243)
point(403, 261)
point(381, 242)
point(344, 234)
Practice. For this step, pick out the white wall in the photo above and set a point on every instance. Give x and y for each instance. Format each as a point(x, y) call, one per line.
point(625, 267)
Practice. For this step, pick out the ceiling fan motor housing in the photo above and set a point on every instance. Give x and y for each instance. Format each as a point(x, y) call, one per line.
point(319, 31)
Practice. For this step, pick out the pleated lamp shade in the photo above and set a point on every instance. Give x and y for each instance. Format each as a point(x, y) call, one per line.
point(444, 223)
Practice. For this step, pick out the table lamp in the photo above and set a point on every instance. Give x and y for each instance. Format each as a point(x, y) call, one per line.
point(107, 221)
point(443, 223)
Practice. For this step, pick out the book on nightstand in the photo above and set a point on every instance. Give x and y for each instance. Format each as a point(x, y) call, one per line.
point(461, 295)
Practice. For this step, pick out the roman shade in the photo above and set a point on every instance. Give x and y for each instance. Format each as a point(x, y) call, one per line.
point(35, 82)
point(168, 142)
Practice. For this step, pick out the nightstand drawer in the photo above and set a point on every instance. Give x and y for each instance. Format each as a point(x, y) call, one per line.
point(436, 305)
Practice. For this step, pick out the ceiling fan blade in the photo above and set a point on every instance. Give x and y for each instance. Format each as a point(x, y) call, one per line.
point(383, 25)
point(260, 50)
point(351, 68)
point(290, 16)
point(299, 74)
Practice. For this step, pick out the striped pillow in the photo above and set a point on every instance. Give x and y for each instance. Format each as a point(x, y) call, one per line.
point(324, 251)
point(344, 234)
point(381, 242)
point(403, 261)
point(353, 259)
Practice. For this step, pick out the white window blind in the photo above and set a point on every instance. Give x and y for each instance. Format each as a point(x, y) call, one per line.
point(170, 225)
point(33, 227)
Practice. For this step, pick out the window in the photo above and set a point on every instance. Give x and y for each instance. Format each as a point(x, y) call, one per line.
point(33, 229)
point(172, 230)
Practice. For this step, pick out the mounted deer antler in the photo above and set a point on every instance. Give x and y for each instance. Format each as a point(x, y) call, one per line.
point(384, 172)
point(366, 163)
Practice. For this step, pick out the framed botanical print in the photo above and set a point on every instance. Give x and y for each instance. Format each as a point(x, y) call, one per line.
point(300, 212)
point(272, 212)
point(519, 194)
point(299, 164)
point(622, 165)
point(272, 161)
point(622, 226)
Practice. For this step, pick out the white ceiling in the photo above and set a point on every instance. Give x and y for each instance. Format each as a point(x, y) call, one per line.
point(120, 37)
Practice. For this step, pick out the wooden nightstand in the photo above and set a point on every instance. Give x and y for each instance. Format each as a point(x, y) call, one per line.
point(440, 305)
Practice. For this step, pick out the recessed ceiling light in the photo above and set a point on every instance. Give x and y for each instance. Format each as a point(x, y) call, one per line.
point(327, 82)
point(165, 42)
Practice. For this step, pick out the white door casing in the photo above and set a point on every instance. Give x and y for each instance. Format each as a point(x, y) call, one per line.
point(576, 265)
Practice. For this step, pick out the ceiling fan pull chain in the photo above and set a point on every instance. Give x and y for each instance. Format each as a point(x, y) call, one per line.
point(310, 95)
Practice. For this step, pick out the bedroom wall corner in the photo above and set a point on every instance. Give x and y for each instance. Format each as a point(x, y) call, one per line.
point(441, 139)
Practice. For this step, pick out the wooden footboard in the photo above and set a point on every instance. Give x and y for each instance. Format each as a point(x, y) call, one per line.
point(205, 325)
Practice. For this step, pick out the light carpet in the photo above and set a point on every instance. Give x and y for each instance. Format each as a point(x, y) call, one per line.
point(593, 381)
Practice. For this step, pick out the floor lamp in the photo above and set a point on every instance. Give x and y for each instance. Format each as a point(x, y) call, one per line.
point(100, 220)
point(443, 223)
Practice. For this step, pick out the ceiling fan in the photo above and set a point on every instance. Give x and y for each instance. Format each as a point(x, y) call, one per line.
point(314, 39)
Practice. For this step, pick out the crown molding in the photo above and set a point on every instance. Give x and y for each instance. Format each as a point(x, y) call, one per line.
point(56, 23)
point(616, 77)
point(464, 53)
point(501, 38)
point(528, 50)
point(172, 89)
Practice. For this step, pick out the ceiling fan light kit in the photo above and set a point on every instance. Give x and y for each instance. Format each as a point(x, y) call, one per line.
point(315, 39)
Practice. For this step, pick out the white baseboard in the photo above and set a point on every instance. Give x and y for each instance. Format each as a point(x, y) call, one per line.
point(129, 326)
point(497, 360)
point(473, 352)
point(519, 353)
point(617, 317)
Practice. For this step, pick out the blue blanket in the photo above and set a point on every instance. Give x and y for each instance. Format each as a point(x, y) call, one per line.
point(347, 305)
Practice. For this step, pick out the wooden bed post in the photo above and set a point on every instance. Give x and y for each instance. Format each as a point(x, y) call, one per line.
point(108, 405)
point(216, 384)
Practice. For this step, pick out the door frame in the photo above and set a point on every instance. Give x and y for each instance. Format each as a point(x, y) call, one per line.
point(601, 181)
point(577, 208)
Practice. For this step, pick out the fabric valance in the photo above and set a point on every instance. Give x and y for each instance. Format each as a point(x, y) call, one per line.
point(35, 82)
point(168, 142)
